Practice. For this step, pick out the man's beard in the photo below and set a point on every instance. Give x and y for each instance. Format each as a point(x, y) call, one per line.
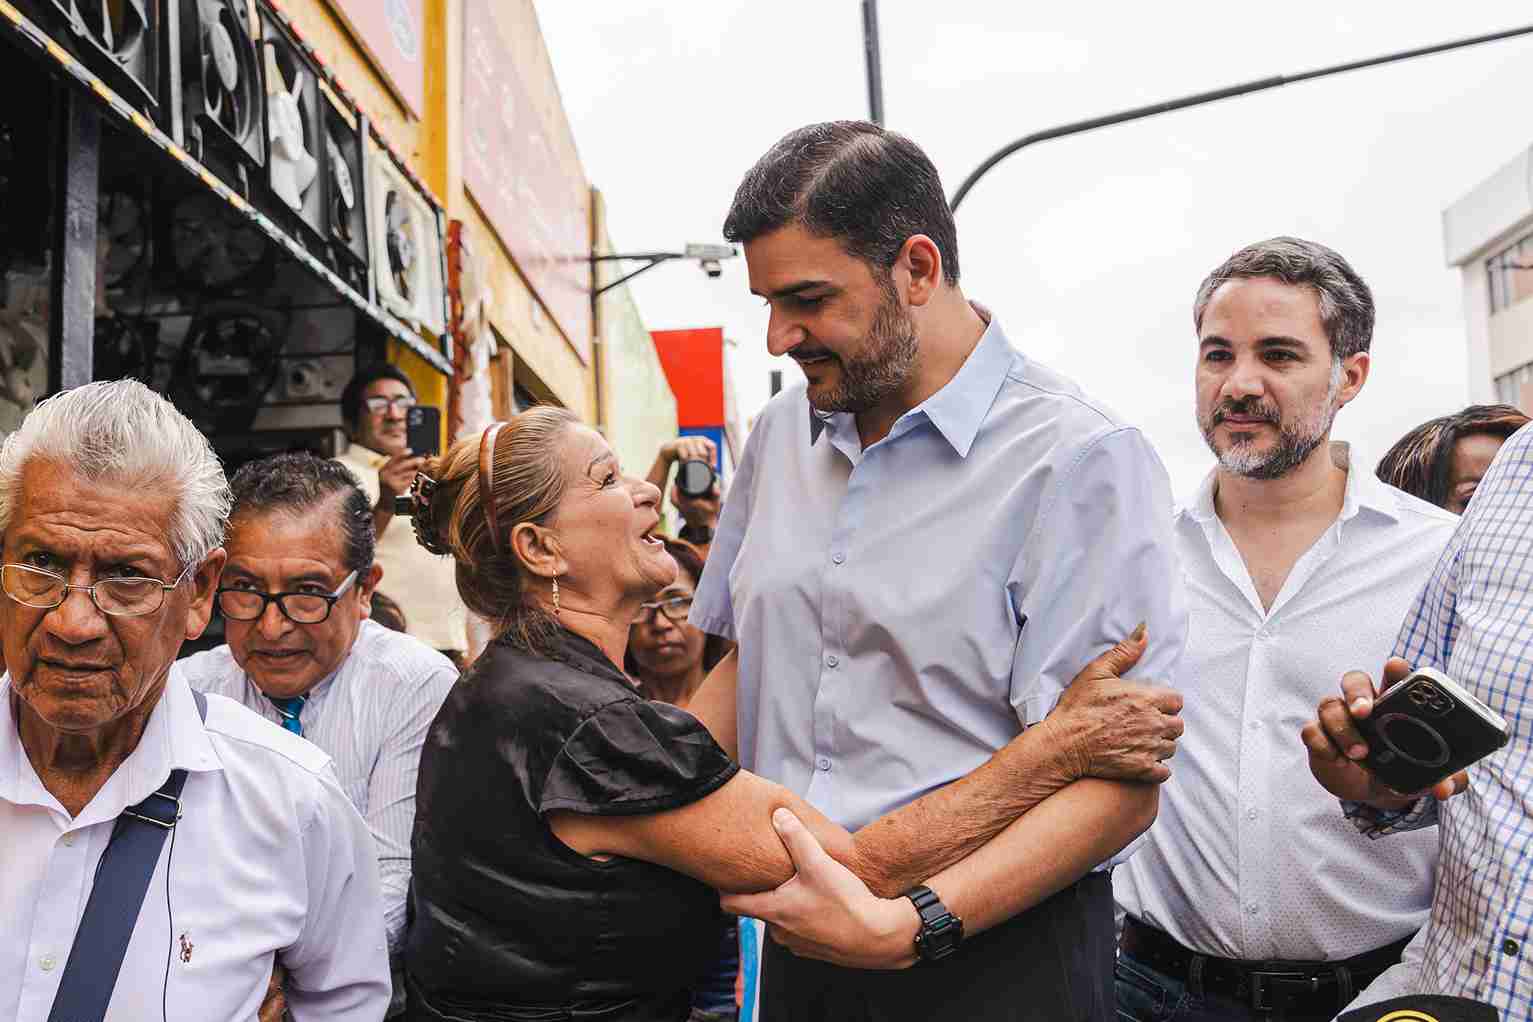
point(1296, 440)
point(881, 368)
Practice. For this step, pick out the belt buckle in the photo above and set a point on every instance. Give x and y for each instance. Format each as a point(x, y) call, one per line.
point(1262, 979)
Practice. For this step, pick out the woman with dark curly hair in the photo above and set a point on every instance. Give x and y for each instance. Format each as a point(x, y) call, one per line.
point(1442, 460)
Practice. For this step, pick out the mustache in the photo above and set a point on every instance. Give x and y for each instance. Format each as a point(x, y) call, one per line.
point(1249, 408)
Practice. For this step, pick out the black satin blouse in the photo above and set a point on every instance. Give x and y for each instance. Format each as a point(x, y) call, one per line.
point(509, 922)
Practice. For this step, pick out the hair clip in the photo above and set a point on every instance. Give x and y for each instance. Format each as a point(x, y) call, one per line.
point(415, 501)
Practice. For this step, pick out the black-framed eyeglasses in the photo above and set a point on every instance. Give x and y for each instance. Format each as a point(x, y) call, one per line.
point(299, 608)
point(399, 403)
point(129, 596)
point(675, 609)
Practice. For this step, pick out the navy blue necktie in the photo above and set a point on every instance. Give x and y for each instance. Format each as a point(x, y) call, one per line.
point(290, 709)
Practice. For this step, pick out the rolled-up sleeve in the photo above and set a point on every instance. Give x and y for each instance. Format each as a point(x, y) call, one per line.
point(712, 607)
point(338, 968)
point(1100, 559)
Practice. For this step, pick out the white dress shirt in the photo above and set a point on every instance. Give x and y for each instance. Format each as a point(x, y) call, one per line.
point(370, 715)
point(269, 860)
point(423, 584)
point(1249, 858)
point(904, 611)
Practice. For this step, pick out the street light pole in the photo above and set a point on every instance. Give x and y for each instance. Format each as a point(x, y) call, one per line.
point(871, 59)
point(1229, 92)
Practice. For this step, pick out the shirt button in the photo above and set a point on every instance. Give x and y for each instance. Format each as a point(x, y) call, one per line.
point(832, 660)
point(1510, 946)
point(67, 840)
point(822, 762)
point(1256, 725)
point(838, 558)
point(47, 962)
point(1253, 909)
point(1251, 814)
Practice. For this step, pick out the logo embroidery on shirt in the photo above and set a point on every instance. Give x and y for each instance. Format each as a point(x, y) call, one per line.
point(186, 949)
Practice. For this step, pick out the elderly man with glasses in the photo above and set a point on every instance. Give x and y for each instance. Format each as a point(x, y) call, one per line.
point(375, 405)
point(296, 597)
point(162, 850)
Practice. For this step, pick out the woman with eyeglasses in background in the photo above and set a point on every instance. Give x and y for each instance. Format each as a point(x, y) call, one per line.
point(670, 658)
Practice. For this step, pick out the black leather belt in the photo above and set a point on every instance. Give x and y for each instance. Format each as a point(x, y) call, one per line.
point(1264, 986)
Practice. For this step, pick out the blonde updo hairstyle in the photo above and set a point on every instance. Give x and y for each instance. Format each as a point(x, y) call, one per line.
point(528, 482)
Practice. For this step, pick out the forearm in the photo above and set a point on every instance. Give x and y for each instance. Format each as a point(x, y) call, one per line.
point(659, 472)
point(1058, 842)
point(714, 703)
point(381, 519)
point(915, 842)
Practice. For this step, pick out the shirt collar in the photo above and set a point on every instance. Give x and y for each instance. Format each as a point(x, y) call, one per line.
point(174, 739)
point(1364, 491)
point(959, 408)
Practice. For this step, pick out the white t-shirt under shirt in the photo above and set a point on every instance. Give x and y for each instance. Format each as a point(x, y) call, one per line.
point(422, 583)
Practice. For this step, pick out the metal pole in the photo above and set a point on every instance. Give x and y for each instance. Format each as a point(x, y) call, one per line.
point(1197, 99)
point(72, 322)
point(871, 59)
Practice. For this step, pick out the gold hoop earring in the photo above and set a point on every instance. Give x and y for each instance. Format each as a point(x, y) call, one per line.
point(556, 597)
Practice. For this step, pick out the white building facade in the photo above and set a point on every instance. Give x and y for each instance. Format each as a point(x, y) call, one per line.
point(1488, 235)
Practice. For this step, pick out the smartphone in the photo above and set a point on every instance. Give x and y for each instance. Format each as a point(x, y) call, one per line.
point(1426, 728)
point(423, 431)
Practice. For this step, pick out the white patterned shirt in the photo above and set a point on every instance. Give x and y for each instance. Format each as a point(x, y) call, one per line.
point(1248, 858)
point(371, 716)
point(1474, 621)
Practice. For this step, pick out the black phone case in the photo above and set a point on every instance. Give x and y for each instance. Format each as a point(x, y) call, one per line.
point(423, 430)
point(1419, 733)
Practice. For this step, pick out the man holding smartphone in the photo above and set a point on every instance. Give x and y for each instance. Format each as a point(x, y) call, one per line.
point(375, 407)
point(1252, 895)
point(1473, 622)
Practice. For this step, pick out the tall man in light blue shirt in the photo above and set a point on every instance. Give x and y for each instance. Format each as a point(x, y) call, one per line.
point(918, 552)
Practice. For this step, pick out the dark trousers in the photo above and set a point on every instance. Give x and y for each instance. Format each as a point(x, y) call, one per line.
point(1052, 962)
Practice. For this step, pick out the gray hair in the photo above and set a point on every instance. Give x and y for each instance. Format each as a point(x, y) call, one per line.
point(1346, 304)
point(123, 432)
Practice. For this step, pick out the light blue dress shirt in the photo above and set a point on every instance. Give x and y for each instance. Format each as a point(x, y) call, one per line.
point(904, 611)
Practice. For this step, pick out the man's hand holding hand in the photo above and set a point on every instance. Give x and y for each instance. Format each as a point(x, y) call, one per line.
point(1115, 729)
point(825, 912)
point(1337, 749)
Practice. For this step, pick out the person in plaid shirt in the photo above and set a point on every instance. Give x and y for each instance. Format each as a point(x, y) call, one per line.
point(1474, 621)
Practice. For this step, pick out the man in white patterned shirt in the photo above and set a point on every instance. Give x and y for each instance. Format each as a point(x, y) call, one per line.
point(295, 594)
point(1251, 895)
point(1474, 622)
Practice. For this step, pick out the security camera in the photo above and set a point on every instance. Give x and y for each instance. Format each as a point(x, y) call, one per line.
point(712, 268)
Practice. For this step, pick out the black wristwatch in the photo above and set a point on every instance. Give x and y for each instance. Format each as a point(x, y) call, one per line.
point(941, 932)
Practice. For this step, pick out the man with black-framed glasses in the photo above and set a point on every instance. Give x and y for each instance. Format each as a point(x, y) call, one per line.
point(296, 595)
point(374, 407)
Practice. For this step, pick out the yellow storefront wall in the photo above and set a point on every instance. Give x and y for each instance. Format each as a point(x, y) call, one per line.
point(546, 361)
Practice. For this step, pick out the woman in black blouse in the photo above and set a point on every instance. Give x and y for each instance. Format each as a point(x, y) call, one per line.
point(570, 835)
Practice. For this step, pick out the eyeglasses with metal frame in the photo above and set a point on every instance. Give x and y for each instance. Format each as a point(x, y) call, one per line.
point(400, 403)
point(675, 608)
point(127, 596)
point(298, 607)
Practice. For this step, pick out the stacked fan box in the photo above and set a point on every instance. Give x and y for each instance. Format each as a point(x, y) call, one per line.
point(237, 89)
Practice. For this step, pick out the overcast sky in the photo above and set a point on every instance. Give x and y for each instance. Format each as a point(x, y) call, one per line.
point(1088, 248)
